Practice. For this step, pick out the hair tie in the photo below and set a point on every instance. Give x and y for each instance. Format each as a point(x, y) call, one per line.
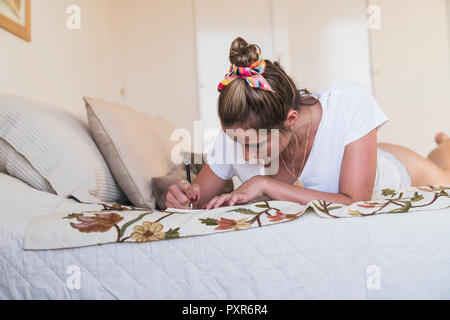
point(252, 74)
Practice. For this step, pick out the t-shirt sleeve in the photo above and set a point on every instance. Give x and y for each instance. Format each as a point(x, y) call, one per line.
point(216, 158)
point(364, 113)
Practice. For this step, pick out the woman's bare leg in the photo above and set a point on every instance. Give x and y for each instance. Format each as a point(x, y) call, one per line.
point(441, 154)
point(423, 171)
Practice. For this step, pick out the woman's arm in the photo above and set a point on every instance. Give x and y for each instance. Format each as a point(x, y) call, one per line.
point(356, 181)
point(210, 185)
point(282, 191)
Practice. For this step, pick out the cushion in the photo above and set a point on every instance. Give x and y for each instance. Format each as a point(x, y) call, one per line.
point(136, 146)
point(59, 147)
point(16, 165)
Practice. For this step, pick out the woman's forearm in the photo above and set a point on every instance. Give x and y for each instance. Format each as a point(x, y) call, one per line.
point(210, 186)
point(279, 190)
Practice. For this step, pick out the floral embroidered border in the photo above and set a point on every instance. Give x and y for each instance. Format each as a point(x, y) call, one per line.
point(116, 223)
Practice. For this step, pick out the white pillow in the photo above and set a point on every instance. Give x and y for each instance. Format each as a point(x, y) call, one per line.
point(59, 147)
point(15, 165)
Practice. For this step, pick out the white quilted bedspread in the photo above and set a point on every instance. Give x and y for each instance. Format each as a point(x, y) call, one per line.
point(387, 256)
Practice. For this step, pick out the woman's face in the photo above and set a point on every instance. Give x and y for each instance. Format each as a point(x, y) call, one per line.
point(261, 146)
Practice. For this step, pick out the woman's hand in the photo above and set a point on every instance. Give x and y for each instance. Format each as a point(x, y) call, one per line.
point(181, 193)
point(249, 190)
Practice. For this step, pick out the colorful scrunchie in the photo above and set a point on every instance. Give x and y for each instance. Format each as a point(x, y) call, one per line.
point(252, 74)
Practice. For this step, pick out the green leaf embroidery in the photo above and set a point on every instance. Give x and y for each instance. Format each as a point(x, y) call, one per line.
point(244, 211)
point(443, 193)
point(332, 208)
point(262, 206)
point(73, 215)
point(209, 221)
point(417, 197)
point(126, 225)
point(315, 205)
point(388, 192)
point(172, 233)
point(405, 208)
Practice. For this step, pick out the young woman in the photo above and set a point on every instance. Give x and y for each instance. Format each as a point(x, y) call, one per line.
point(327, 142)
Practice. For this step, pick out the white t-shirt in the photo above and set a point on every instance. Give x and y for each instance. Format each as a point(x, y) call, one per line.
point(349, 111)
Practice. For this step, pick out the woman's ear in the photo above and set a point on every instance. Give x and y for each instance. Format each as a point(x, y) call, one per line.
point(291, 119)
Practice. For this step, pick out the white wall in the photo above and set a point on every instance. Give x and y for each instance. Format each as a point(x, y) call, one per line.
point(318, 42)
point(60, 66)
point(216, 28)
point(146, 48)
point(149, 49)
point(410, 57)
point(448, 19)
point(328, 42)
point(158, 57)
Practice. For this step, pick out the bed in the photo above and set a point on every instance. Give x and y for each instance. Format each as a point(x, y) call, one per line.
point(67, 233)
point(386, 256)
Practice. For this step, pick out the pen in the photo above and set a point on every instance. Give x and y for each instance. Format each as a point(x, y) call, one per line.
point(188, 178)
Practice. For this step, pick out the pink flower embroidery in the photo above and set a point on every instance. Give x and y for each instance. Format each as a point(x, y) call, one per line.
point(369, 205)
point(102, 222)
point(225, 224)
point(279, 216)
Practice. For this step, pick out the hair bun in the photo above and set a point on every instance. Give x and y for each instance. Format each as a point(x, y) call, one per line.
point(243, 54)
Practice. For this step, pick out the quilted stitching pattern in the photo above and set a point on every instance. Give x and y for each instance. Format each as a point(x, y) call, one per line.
point(308, 258)
point(284, 261)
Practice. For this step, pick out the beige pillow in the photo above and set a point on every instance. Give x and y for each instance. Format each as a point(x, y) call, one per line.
point(135, 145)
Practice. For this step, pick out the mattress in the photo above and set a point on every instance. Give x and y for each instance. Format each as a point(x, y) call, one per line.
point(401, 256)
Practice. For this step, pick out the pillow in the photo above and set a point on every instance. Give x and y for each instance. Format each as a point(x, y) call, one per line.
point(15, 165)
point(135, 145)
point(59, 147)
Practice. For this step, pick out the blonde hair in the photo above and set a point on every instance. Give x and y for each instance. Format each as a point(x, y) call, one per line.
point(242, 106)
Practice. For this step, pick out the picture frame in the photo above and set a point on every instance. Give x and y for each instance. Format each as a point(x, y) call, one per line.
point(15, 17)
